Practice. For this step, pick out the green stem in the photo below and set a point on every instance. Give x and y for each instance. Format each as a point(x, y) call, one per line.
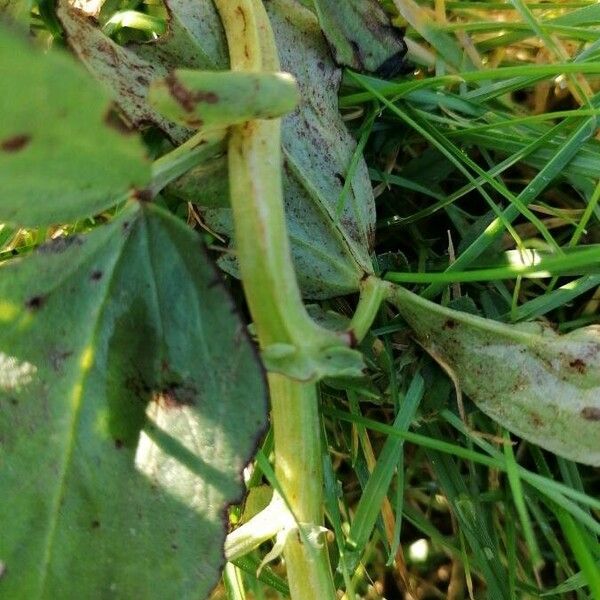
point(373, 292)
point(199, 148)
point(275, 301)
point(299, 471)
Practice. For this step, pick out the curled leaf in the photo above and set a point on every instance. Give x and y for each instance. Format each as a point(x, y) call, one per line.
point(540, 385)
point(205, 99)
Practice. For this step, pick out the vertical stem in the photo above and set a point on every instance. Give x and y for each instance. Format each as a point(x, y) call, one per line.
point(275, 301)
point(299, 471)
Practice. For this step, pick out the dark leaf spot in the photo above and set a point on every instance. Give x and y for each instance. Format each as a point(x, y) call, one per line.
point(578, 365)
point(591, 413)
point(15, 143)
point(95, 524)
point(450, 324)
point(340, 178)
point(96, 275)
point(175, 394)
point(119, 444)
point(535, 419)
point(353, 339)
point(57, 357)
point(35, 302)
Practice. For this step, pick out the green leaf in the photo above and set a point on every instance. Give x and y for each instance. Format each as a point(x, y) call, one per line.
point(60, 158)
point(540, 385)
point(361, 36)
point(330, 240)
point(130, 400)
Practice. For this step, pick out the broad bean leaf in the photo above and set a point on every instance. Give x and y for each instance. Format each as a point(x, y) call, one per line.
point(60, 158)
point(330, 222)
point(130, 400)
point(540, 385)
point(195, 38)
point(361, 36)
point(120, 70)
point(330, 211)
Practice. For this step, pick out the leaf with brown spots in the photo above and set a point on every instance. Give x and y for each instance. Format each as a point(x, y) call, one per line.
point(123, 73)
point(540, 385)
point(330, 215)
point(58, 159)
point(131, 398)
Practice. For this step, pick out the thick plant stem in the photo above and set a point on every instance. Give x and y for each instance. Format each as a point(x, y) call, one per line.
point(299, 471)
point(275, 302)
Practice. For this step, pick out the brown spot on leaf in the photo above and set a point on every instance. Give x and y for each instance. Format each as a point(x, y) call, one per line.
point(591, 413)
point(35, 302)
point(578, 365)
point(242, 14)
point(174, 394)
point(352, 338)
point(119, 444)
point(450, 324)
point(15, 143)
point(96, 275)
point(535, 419)
point(95, 524)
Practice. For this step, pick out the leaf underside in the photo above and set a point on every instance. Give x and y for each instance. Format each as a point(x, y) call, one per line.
point(130, 400)
point(330, 222)
point(540, 385)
